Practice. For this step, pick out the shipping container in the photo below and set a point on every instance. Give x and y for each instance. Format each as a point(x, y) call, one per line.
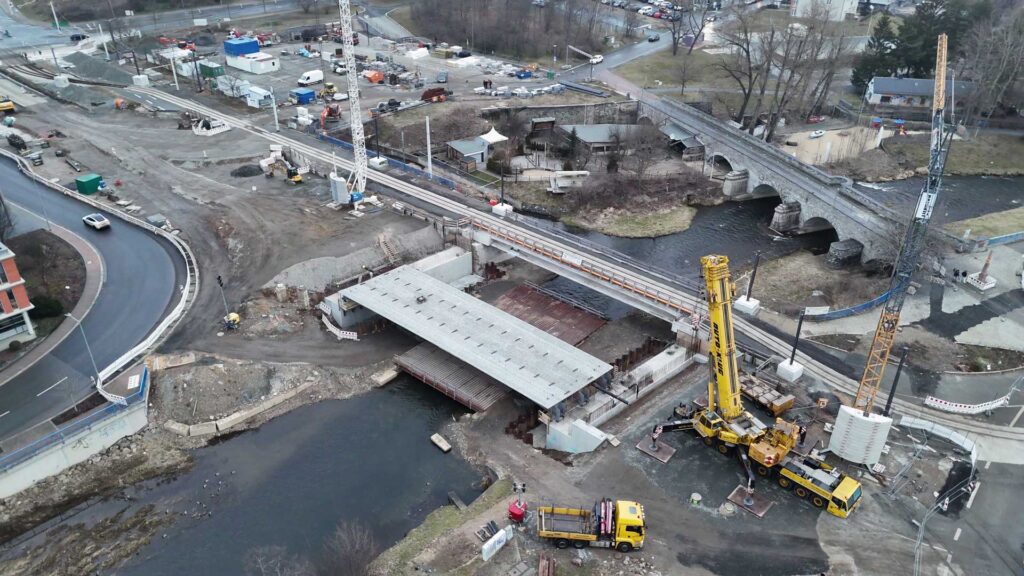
point(88, 183)
point(210, 69)
point(302, 96)
point(241, 46)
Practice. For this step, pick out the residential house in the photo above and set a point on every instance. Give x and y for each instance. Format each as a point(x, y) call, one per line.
point(600, 137)
point(14, 304)
point(834, 10)
point(914, 93)
point(468, 153)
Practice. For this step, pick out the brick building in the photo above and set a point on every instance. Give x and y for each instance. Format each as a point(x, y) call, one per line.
point(14, 304)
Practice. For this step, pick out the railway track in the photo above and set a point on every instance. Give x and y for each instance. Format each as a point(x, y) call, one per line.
point(827, 375)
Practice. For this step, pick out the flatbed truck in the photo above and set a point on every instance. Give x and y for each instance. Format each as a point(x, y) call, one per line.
point(618, 524)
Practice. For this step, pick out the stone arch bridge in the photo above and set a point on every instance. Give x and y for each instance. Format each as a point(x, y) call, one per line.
point(812, 200)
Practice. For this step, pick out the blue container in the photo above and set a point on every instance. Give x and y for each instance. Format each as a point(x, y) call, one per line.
point(303, 95)
point(241, 46)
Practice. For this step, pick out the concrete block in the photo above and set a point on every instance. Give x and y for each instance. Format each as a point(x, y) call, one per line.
point(176, 427)
point(700, 358)
point(975, 281)
point(748, 306)
point(140, 80)
point(232, 420)
point(574, 437)
point(202, 429)
point(790, 371)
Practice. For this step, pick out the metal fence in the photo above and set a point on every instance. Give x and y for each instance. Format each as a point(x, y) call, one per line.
point(26, 452)
point(852, 310)
point(392, 163)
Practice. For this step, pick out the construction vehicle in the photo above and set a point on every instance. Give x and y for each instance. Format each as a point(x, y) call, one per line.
point(913, 243)
point(232, 321)
point(724, 424)
point(328, 91)
point(330, 113)
point(7, 106)
point(615, 524)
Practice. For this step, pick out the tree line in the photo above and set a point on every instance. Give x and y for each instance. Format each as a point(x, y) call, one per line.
point(514, 28)
point(986, 48)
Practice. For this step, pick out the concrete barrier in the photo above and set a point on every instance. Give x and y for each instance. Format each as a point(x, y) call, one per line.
point(247, 413)
point(74, 449)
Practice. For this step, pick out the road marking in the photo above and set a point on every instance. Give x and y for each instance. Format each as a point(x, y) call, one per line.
point(1017, 417)
point(987, 464)
point(52, 387)
point(949, 558)
point(970, 500)
point(5, 414)
point(957, 535)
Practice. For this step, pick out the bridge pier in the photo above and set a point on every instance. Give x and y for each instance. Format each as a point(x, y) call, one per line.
point(786, 217)
point(734, 184)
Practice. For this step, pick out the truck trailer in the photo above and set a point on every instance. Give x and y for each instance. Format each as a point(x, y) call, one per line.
point(615, 524)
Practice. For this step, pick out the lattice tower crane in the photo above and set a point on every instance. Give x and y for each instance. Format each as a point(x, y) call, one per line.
point(357, 178)
point(913, 243)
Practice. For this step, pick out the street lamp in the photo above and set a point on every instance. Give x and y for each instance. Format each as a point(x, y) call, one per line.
point(87, 347)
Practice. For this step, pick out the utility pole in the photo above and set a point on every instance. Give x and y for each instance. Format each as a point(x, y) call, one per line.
point(220, 282)
point(174, 71)
point(55, 21)
point(87, 347)
point(430, 153)
point(105, 53)
point(796, 338)
point(273, 103)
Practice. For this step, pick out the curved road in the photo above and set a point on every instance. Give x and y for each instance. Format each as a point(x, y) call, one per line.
point(143, 275)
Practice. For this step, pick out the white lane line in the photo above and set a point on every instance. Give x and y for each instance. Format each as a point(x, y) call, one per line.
point(1017, 417)
point(52, 387)
point(5, 414)
point(987, 464)
point(949, 558)
point(970, 500)
point(956, 536)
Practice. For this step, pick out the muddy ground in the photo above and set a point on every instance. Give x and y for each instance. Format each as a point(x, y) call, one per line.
point(790, 283)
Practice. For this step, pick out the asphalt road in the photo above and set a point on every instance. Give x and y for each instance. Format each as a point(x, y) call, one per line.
point(143, 276)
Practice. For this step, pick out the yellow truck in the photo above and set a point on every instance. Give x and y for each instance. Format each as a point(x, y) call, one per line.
point(615, 524)
point(6, 106)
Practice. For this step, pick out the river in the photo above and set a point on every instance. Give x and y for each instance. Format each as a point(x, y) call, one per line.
point(367, 459)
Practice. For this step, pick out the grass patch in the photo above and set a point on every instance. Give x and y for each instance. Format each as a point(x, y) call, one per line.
point(635, 225)
point(444, 519)
point(663, 67)
point(986, 154)
point(989, 225)
point(483, 178)
point(534, 197)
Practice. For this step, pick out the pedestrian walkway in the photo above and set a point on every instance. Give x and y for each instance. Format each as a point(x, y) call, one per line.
point(90, 292)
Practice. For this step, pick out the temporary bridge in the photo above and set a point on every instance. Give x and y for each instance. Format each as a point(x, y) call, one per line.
point(521, 357)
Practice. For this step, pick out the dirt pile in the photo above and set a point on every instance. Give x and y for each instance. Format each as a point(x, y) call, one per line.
point(247, 171)
point(871, 166)
point(266, 317)
point(802, 279)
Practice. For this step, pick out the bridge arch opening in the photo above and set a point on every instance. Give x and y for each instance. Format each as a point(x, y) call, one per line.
point(764, 191)
point(818, 233)
point(720, 166)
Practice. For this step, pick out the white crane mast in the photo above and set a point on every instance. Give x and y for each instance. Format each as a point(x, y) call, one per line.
point(357, 179)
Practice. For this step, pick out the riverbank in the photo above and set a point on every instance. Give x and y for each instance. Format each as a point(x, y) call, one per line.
point(901, 157)
point(620, 209)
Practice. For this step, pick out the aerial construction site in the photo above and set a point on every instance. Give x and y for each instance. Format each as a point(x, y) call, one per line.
point(509, 288)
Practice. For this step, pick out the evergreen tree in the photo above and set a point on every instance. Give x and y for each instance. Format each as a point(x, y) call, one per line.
point(879, 57)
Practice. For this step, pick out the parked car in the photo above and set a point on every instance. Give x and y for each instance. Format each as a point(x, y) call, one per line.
point(97, 221)
point(464, 54)
point(711, 18)
point(653, 37)
point(597, 59)
point(442, 77)
point(817, 134)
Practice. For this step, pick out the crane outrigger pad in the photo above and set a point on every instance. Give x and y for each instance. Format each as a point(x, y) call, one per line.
point(754, 502)
point(660, 451)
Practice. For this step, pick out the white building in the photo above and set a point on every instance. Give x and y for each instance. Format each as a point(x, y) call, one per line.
point(835, 10)
point(255, 63)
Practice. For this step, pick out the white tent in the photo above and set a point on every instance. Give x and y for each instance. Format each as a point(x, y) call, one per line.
point(493, 137)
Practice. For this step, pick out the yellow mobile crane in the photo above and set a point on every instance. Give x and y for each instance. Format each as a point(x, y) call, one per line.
point(726, 425)
point(913, 242)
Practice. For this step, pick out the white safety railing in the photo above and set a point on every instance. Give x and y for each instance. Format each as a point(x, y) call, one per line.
point(958, 408)
point(188, 291)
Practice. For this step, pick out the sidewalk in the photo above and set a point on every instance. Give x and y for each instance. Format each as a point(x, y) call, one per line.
point(93, 281)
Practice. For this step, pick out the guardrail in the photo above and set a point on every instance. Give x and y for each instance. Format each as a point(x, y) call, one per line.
point(26, 452)
point(190, 289)
point(959, 408)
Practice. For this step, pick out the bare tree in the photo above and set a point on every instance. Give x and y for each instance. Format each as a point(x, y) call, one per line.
point(275, 561)
point(306, 5)
point(993, 60)
point(349, 551)
point(641, 146)
point(744, 60)
point(6, 221)
point(630, 21)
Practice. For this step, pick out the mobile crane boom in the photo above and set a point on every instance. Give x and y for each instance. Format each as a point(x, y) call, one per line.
point(913, 243)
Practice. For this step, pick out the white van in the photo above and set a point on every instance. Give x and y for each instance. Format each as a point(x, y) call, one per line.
point(311, 77)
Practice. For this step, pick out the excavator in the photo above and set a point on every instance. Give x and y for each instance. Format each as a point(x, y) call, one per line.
point(723, 423)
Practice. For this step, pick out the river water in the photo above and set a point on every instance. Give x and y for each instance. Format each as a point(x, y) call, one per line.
point(366, 459)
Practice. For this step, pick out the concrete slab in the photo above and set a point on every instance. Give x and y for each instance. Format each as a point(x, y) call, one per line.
point(202, 429)
point(748, 306)
point(999, 332)
point(754, 502)
point(661, 451)
point(176, 427)
point(790, 371)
